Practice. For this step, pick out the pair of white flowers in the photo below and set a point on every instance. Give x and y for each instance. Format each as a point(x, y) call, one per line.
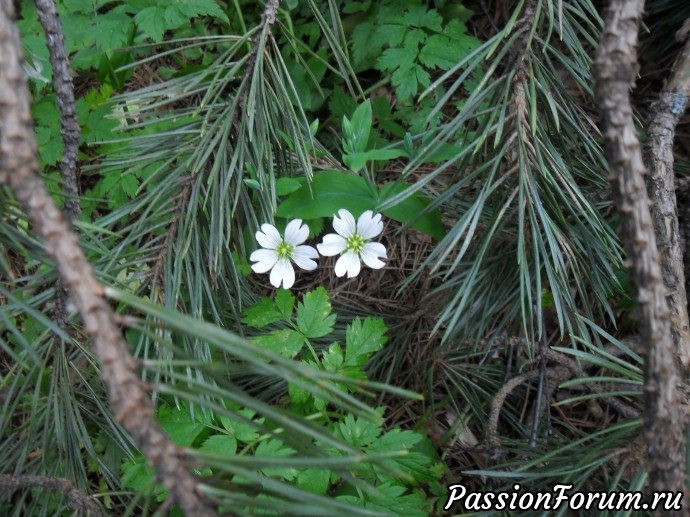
point(352, 242)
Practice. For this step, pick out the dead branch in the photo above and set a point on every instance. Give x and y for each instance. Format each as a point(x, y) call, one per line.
point(64, 90)
point(661, 126)
point(616, 68)
point(78, 500)
point(19, 168)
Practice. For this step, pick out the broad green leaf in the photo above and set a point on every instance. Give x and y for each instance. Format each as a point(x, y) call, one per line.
point(285, 342)
point(314, 318)
point(363, 339)
point(332, 190)
point(285, 186)
point(408, 210)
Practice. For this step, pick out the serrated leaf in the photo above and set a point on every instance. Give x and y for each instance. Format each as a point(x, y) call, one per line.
point(285, 342)
point(363, 339)
point(129, 184)
point(276, 449)
point(397, 58)
point(261, 314)
point(314, 480)
point(332, 359)
point(358, 431)
point(179, 425)
point(314, 318)
point(241, 431)
point(417, 15)
point(110, 32)
point(222, 445)
point(444, 52)
point(151, 21)
point(285, 303)
point(332, 190)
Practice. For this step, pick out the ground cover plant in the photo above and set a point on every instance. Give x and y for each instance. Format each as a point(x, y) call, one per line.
point(345, 254)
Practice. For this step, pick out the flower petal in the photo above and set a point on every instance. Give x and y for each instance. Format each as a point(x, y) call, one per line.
point(332, 245)
point(282, 272)
point(348, 263)
point(369, 225)
point(370, 256)
point(375, 248)
point(265, 260)
point(296, 232)
point(346, 225)
point(302, 257)
point(268, 238)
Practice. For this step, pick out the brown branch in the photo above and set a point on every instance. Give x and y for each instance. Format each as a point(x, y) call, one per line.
point(78, 500)
point(661, 126)
point(129, 400)
point(616, 68)
point(64, 90)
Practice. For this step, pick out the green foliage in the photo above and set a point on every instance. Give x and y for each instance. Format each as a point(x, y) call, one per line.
point(409, 40)
point(332, 190)
point(402, 461)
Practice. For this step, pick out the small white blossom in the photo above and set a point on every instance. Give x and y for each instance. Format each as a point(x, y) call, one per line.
point(353, 243)
point(277, 252)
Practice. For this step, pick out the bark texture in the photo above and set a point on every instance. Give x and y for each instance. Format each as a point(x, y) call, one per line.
point(616, 68)
point(64, 91)
point(661, 128)
point(19, 167)
point(78, 500)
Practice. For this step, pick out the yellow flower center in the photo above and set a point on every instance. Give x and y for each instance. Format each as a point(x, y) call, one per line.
point(354, 243)
point(284, 250)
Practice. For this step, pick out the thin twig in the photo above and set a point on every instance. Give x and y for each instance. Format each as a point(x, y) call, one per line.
point(616, 68)
point(64, 91)
point(19, 168)
point(69, 130)
point(78, 500)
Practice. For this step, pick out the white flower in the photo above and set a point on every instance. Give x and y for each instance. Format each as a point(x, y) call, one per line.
point(353, 243)
point(278, 252)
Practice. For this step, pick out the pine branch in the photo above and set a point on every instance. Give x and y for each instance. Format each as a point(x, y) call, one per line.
point(78, 500)
point(616, 69)
point(665, 114)
point(129, 400)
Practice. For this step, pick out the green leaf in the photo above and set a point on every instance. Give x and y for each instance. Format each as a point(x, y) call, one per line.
point(410, 208)
point(285, 303)
point(332, 359)
point(314, 480)
point(357, 161)
point(314, 318)
point(332, 190)
point(221, 445)
point(285, 186)
point(358, 431)
point(276, 449)
point(179, 424)
point(363, 339)
point(361, 127)
point(285, 342)
point(151, 21)
point(261, 314)
point(241, 431)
